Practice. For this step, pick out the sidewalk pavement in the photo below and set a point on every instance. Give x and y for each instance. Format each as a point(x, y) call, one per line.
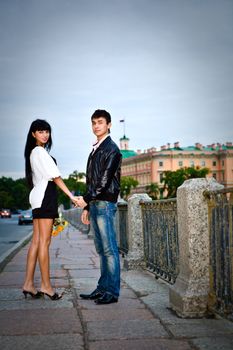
point(141, 320)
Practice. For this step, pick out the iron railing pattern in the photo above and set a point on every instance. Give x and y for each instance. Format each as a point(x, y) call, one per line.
point(123, 227)
point(160, 234)
point(220, 204)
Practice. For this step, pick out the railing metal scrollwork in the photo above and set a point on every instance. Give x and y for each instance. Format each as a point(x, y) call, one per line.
point(220, 204)
point(161, 238)
point(123, 227)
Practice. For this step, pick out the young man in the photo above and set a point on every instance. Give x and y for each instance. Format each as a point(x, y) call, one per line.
point(99, 203)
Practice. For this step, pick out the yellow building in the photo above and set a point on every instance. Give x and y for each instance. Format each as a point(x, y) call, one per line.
point(148, 166)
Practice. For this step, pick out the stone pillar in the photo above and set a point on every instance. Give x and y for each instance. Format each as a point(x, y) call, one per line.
point(188, 296)
point(135, 256)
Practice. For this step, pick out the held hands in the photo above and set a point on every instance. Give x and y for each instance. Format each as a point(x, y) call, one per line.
point(79, 202)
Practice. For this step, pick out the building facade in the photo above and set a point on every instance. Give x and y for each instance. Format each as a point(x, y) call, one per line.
point(147, 167)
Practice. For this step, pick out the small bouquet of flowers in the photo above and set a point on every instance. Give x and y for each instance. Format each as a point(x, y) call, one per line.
point(58, 226)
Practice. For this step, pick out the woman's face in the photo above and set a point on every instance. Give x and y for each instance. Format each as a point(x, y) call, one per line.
point(41, 136)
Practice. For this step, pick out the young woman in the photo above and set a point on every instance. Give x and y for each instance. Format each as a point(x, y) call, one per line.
point(43, 175)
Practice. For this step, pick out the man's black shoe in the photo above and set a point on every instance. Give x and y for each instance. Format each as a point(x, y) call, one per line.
point(106, 299)
point(93, 296)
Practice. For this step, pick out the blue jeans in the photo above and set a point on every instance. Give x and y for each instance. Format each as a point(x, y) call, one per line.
point(102, 215)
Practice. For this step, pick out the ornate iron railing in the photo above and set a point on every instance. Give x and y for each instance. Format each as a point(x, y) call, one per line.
point(220, 204)
point(123, 227)
point(160, 233)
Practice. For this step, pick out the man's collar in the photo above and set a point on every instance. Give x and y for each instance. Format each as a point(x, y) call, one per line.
point(98, 142)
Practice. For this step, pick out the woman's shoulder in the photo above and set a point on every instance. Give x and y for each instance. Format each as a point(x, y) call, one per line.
point(39, 151)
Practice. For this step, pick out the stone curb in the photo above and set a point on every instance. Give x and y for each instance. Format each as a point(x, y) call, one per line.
point(6, 257)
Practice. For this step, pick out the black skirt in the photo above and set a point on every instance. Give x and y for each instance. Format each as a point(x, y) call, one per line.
point(48, 209)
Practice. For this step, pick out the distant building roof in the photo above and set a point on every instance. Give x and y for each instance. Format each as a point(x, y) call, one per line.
point(126, 153)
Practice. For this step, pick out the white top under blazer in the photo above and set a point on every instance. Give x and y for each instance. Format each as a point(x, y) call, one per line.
point(44, 169)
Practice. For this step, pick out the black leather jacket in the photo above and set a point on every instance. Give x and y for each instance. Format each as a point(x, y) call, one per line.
point(103, 173)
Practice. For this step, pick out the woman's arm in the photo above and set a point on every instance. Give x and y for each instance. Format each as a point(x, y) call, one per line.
point(60, 183)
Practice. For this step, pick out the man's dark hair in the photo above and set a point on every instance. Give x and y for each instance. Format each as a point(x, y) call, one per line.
point(101, 113)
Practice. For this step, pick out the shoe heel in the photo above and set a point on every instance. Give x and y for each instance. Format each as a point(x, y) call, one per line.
point(25, 294)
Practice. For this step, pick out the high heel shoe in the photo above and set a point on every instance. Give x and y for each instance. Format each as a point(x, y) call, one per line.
point(35, 296)
point(55, 296)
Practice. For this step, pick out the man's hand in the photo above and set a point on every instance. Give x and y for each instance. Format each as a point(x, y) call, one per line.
point(85, 217)
point(81, 202)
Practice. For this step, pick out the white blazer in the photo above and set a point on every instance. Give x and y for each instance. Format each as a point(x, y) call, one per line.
point(44, 169)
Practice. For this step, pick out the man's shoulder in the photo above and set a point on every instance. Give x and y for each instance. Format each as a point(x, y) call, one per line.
point(113, 144)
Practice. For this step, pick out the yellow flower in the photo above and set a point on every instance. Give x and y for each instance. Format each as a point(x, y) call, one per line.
point(58, 226)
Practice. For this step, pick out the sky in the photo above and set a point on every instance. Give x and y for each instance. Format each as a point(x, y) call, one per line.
point(164, 66)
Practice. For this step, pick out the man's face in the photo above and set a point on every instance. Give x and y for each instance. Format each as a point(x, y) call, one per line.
point(100, 127)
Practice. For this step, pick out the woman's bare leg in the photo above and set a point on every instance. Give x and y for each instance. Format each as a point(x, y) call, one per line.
point(32, 259)
point(45, 229)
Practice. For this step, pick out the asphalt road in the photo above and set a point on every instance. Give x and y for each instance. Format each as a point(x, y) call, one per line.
point(11, 233)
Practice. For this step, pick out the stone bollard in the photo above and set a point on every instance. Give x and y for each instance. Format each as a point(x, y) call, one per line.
point(189, 295)
point(135, 256)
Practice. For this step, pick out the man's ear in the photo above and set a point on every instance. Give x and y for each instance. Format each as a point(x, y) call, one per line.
point(109, 126)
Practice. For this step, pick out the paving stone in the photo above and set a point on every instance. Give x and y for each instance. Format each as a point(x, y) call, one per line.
point(47, 321)
point(123, 329)
point(113, 314)
point(14, 278)
point(85, 285)
point(143, 282)
point(140, 344)
point(201, 328)
point(13, 301)
point(85, 273)
point(214, 343)
point(38, 342)
point(122, 304)
point(127, 293)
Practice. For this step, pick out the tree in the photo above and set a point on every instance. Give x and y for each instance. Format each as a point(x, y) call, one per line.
point(6, 200)
point(173, 179)
point(127, 183)
point(77, 176)
point(153, 190)
point(14, 193)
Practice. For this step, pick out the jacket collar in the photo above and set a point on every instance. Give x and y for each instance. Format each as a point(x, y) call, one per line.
point(103, 144)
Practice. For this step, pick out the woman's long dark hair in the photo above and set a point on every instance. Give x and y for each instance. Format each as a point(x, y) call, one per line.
point(37, 125)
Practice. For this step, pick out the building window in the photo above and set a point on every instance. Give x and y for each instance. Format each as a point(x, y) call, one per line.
point(191, 163)
point(160, 163)
point(222, 162)
point(214, 163)
point(160, 177)
point(202, 163)
point(214, 176)
point(180, 163)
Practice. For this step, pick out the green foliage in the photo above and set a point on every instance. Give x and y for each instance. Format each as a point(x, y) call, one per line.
point(13, 193)
point(173, 179)
point(153, 190)
point(127, 183)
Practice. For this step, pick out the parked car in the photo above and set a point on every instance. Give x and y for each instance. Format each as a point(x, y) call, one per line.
point(25, 217)
point(5, 213)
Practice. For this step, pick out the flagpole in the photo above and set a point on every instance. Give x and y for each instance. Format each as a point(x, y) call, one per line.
point(123, 121)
